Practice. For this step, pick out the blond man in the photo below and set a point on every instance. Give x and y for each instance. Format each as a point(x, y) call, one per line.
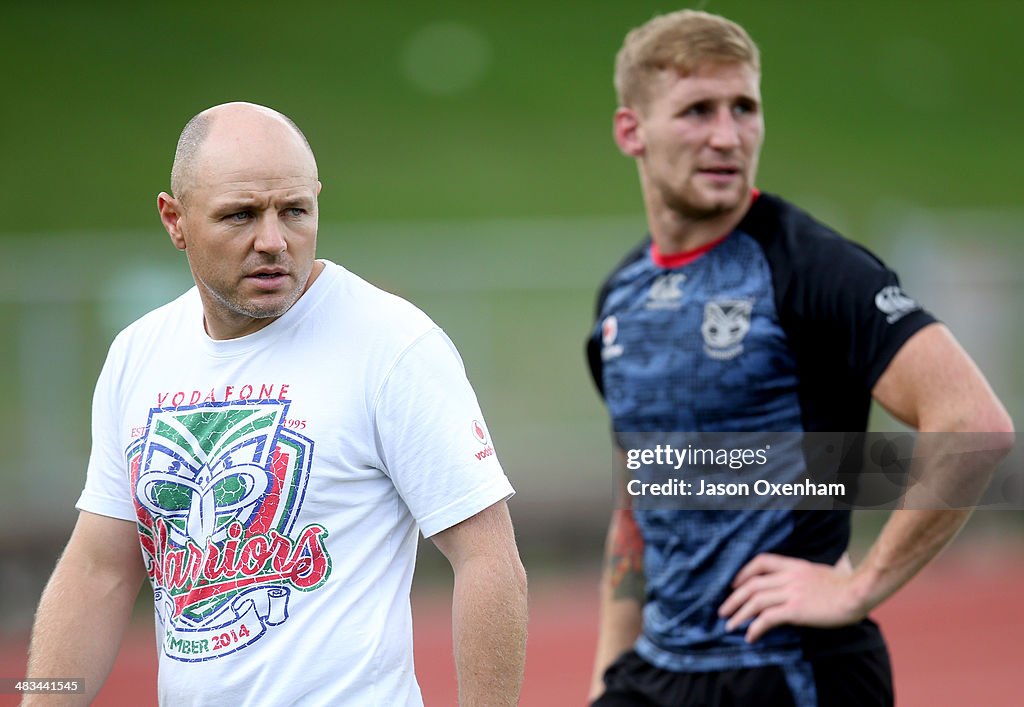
point(741, 315)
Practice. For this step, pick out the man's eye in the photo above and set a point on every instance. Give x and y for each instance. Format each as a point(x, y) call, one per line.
point(296, 211)
point(696, 111)
point(239, 216)
point(744, 108)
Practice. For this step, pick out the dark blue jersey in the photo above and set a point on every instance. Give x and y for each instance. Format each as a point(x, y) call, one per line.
point(781, 326)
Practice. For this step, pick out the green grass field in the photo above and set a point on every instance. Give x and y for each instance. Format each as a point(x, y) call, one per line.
point(866, 103)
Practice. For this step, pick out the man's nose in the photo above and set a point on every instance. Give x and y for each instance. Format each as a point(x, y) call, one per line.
point(270, 235)
point(725, 134)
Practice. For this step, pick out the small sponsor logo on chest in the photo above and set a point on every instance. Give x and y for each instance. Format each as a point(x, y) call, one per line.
point(666, 292)
point(609, 333)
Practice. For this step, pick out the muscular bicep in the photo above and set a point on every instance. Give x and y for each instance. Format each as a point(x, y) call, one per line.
point(932, 384)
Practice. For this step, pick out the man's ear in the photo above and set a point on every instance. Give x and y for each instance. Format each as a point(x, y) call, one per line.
point(171, 214)
point(628, 133)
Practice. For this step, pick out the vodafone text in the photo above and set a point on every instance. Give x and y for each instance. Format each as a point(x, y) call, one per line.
point(222, 394)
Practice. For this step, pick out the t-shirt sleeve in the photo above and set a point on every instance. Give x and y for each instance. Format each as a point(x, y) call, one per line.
point(107, 489)
point(433, 439)
point(850, 301)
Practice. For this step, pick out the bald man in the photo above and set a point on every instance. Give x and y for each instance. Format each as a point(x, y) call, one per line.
point(273, 440)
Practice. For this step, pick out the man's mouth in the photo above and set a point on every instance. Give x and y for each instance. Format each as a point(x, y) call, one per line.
point(267, 272)
point(268, 279)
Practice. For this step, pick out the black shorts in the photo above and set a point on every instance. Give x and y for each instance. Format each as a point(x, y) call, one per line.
point(861, 679)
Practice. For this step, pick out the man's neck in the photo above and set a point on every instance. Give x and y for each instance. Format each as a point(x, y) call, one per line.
point(674, 232)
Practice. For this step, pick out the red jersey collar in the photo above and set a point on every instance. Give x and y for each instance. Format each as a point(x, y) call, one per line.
point(676, 260)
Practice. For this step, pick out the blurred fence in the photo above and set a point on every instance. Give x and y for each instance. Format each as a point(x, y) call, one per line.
point(515, 296)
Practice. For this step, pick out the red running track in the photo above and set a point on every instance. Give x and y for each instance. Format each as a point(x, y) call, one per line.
point(954, 632)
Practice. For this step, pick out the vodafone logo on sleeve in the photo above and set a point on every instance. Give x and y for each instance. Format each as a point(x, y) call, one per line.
point(480, 435)
point(479, 432)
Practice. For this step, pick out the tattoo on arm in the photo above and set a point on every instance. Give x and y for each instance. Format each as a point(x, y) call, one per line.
point(626, 558)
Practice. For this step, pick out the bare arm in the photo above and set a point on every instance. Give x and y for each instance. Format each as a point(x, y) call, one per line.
point(933, 385)
point(622, 590)
point(488, 607)
point(85, 607)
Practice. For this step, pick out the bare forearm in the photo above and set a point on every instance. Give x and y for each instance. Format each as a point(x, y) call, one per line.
point(620, 625)
point(78, 629)
point(963, 432)
point(950, 472)
point(909, 540)
point(85, 607)
point(772, 590)
point(622, 595)
point(489, 614)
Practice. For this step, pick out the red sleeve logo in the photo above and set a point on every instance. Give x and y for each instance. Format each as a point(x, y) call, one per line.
point(481, 436)
point(479, 432)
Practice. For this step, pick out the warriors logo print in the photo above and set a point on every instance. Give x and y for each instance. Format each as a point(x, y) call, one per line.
point(217, 488)
point(725, 324)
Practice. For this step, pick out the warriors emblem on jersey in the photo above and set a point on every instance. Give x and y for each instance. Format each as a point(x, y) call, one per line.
point(725, 324)
point(217, 488)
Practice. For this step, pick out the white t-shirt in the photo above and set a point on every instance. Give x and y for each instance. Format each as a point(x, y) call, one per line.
point(278, 481)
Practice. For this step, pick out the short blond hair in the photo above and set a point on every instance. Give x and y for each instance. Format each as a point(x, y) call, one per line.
point(684, 40)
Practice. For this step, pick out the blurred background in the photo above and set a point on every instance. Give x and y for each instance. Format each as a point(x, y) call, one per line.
point(467, 161)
